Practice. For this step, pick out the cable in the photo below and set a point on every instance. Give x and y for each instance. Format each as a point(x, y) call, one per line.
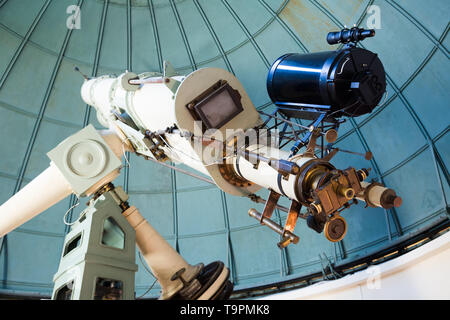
point(125, 154)
point(149, 272)
point(175, 150)
point(140, 297)
point(285, 120)
point(145, 265)
point(351, 115)
point(182, 171)
point(71, 208)
point(343, 109)
point(343, 65)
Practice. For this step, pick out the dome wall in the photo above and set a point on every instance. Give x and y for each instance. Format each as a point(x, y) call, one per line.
point(41, 105)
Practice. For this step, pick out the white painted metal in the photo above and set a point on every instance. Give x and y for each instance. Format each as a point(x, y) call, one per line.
point(97, 93)
point(155, 107)
point(85, 160)
point(41, 193)
point(266, 176)
point(416, 275)
point(374, 194)
point(196, 83)
point(162, 259)
point(49, 188)
point(181, 151)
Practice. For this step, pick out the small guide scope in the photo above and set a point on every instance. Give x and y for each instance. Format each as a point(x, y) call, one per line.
point(349, 35)
point(349, 82)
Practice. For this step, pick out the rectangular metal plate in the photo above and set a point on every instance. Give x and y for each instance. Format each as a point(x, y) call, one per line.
point(217, 105)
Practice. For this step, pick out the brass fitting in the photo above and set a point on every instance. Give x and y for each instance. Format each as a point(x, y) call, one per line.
point(331, 135)
point(316, 207)
point(347, 193)
point(335, 229)
point(362, 174)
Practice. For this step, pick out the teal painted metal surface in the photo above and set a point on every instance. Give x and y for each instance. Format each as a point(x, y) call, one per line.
point(41, 105)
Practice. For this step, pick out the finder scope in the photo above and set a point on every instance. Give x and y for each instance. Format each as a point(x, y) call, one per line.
point(354, 35)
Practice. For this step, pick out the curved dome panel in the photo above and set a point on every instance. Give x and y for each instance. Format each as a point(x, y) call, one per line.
point(40, 104)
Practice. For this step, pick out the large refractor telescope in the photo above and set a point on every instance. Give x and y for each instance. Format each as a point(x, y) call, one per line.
point(188, 118)
point(207, 121)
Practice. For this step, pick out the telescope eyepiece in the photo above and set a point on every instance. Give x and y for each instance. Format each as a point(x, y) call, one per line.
point(345, 36)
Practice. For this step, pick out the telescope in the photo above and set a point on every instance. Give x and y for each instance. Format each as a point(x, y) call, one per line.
point(353, 35)
point(207, 121)
point(347, 82)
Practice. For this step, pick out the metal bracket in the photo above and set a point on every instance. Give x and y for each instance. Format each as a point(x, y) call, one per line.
point(289, 226)
point(168, 73)
point(264, 218)
point(303, 141)
point(273, 225)
point(284, 167)
point(331, 154)
point(154, 142)
point(310, 149)
point(172, 84)
point(169, 70)
point(270, 205)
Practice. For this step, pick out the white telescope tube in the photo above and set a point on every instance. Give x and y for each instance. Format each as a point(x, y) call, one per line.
point(379, 196)
point(41, 193)
point(158, 107)
point(151, 107)
point(266, 176)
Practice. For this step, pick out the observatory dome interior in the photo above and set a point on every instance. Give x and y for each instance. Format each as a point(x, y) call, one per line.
point(40, 105)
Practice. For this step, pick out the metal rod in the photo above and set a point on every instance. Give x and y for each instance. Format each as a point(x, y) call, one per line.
point(285, 120)
point(82, 74)
point(149, 80)
point(346, 151)
point(258, 199)
point(182, 171)
point(249, 155)
point(273, 225)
